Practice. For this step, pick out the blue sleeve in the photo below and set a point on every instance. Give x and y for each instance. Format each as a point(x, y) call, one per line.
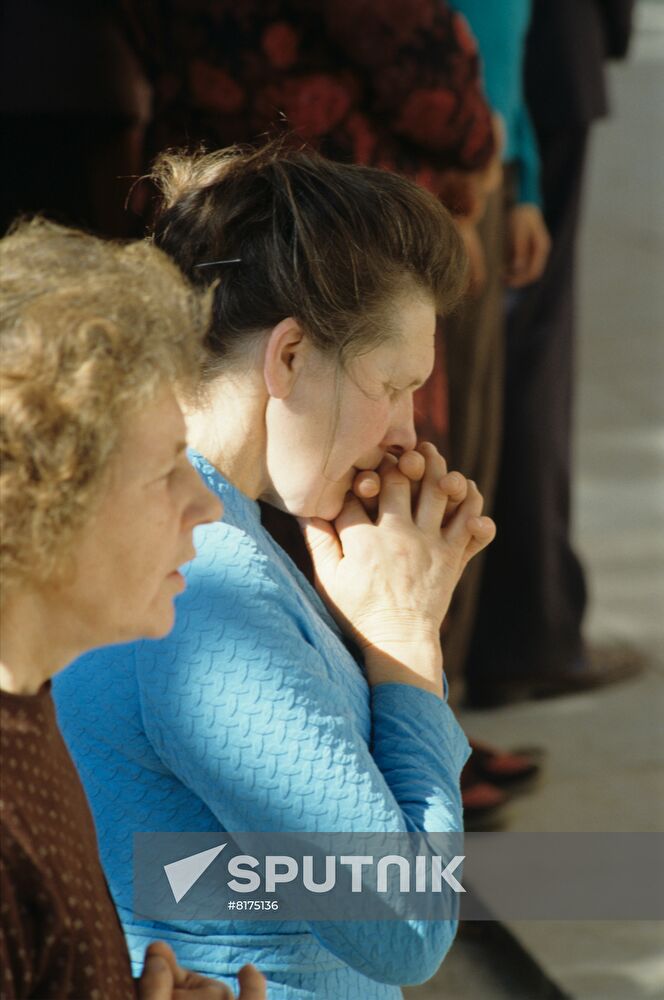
point(528, 191)
point(246, 712)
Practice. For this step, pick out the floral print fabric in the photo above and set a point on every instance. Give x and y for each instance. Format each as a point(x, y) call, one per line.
point(388, 83)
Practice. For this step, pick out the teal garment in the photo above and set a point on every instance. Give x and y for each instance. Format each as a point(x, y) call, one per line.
point(254, 715)
point(500, 28)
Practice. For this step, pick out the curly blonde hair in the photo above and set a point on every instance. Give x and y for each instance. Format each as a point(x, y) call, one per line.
point(89, 331)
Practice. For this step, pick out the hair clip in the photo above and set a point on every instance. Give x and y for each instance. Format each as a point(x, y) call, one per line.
point(211, 263)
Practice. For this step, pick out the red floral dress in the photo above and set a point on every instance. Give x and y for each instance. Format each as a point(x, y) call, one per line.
point(392, 83)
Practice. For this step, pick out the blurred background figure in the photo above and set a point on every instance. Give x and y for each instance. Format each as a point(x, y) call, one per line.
point(74, 104)
point(527, 640)
point(509, 246)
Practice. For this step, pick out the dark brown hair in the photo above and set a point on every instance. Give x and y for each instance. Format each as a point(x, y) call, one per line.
point(328, 243)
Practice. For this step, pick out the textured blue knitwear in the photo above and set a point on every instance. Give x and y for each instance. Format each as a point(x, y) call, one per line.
point(253, 715)
point(500, 29)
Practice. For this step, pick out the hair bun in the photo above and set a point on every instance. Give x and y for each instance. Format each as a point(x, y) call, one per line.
point(177, 173)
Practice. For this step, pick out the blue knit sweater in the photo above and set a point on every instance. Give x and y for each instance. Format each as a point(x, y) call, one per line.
point(253, 715)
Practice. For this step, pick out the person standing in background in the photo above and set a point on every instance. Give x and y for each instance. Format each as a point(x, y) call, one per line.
point(507, 246)
point(510, 249)
point(528, 636)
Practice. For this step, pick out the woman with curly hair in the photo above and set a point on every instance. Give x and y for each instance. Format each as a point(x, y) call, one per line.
point(99, 502)
point(326, 283)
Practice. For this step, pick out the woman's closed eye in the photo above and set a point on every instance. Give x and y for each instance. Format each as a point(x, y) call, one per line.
point(164, 478)
point(394, 391)
point(181, 464)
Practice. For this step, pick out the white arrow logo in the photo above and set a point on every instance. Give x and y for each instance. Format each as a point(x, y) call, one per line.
point(186, 872)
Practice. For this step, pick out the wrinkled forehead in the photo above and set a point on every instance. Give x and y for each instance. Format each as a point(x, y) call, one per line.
point(406, 357)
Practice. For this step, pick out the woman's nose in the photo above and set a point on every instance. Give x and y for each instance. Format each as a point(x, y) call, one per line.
point(402, 434)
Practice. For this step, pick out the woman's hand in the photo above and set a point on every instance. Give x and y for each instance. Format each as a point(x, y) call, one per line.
point(389, 583)
point(528, 245)
point(163, 979)
point(366, 485)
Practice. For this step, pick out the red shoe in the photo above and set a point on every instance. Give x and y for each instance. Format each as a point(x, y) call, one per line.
point(508, 769)
point(482, 803)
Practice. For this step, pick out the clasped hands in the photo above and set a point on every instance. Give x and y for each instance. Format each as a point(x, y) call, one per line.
point(388, 565)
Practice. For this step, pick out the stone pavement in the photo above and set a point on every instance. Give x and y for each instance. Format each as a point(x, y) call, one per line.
point(605, 767)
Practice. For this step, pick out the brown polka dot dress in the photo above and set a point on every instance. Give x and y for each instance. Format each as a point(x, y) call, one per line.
point(59, 932)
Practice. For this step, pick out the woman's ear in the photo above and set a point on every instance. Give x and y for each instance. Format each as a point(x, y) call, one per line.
point(284, 353)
